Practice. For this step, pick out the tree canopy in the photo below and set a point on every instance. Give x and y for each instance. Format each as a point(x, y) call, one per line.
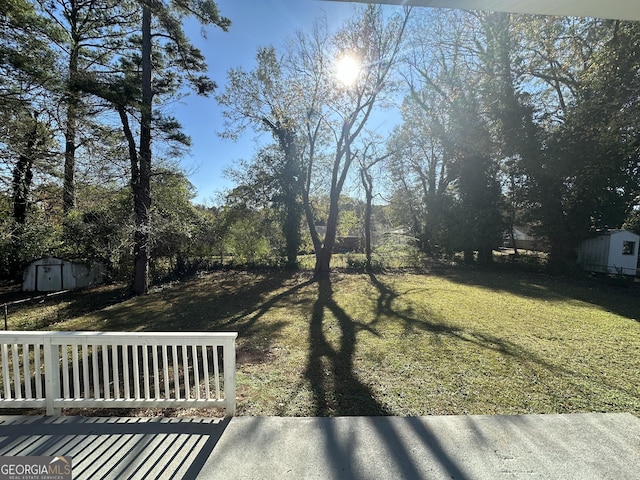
point(497, 120)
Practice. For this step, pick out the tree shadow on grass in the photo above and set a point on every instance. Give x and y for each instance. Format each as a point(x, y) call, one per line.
point(219, 301)
point(255, 313)
point(387, 296)
point(621, 298)
point(338, 392)
point(226, 301)
point(40, 310)
point(336, 389)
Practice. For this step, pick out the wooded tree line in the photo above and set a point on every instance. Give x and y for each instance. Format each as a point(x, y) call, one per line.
point(83, 85)
point(519, 120)
point(505, 120)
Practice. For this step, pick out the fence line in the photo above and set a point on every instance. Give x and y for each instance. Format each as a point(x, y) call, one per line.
point(25, 300)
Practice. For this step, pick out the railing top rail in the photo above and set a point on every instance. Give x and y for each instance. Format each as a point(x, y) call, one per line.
point(202, 337)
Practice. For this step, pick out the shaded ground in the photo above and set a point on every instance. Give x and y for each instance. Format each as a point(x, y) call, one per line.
point(453, 341)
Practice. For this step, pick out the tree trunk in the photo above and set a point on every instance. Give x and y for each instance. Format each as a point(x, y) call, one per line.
point(23, 175)
point(323, 261)
point(561, 247)
point(291, 189)
point(325, 252)
point(291, 230)
point(367, 183)
point(468, 256)
point(69, 183)
point(142, 184)
point(69, 186)
point(293, 211)
point(513, 242)
point(485, 255)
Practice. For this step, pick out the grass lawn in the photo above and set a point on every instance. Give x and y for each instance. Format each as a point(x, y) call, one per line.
point(452, 341)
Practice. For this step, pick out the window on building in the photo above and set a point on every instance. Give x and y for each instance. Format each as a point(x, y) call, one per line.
point(628, 248)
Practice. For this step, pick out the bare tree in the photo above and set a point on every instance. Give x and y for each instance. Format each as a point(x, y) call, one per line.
point(339, 104)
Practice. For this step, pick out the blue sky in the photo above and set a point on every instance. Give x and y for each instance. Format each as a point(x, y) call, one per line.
point(254, 23)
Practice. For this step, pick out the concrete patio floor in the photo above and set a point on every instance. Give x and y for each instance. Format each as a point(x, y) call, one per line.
point(577, 446)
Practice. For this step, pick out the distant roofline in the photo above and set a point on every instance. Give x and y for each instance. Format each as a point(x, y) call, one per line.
point(614, 230)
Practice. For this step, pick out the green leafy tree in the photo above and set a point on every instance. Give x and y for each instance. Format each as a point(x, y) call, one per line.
point(315, 118)
point(367, 161)
point(599, 134)
point(159, 62)
point(264, 100)
point(100, 229)
point(177, 222)
point(90, 37)
point(183, 58)
point(563, 92)
point(26, 60)
point(445, 160)
point(28, 73)
point(266, 182)
point(420, 163)
point(250, 233)
point(531, 167)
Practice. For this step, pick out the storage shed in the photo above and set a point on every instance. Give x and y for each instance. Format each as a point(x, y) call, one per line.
point(613, 251)
point(522, 238)
point(53, 274)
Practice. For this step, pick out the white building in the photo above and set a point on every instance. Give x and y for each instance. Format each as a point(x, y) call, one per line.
point(52, 274)
point(613, 251)
point(522, 238)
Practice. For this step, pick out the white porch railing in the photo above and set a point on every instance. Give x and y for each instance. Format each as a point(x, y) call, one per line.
point(117, 370)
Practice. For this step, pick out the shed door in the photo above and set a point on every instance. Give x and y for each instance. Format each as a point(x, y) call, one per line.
point(48, 278)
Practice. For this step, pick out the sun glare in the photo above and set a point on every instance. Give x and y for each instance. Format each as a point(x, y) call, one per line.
point(347, 70)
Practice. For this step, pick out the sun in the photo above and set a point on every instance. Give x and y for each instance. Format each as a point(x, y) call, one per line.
point(347, 70)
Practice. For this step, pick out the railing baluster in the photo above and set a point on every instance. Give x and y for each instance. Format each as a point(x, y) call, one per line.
point(65, 372)
point(156, 372)
point(145, 369)
point(105, 371)
point(76, 371)
point(36, 368)
point(176, 372)
point(125, 368)
point(136, 373)
point(85, 371)
point(196, 370)
point(185, 370)
point(116, 371)
point(17, 384)
point(26, 369)
point(205, 371)
point(165, 369)
point(96, 371)
point(5, 371)
point(216, 371)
